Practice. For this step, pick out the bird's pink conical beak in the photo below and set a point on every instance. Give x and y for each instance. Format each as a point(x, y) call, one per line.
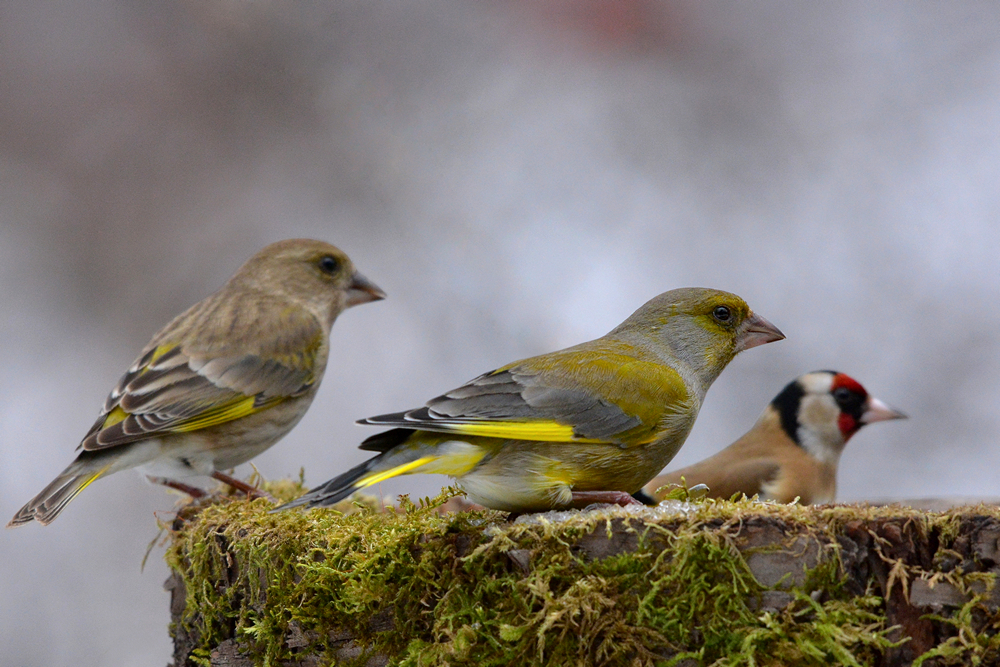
point(877, 411)
point(755, 331)
point(361, 290)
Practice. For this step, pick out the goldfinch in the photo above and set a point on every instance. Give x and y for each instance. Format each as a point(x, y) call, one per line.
point(223, 381)
point(591, 423)
point(793, 449)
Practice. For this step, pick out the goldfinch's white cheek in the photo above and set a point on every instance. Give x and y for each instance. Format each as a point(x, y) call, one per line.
point(816, 384)
point(818, 411)
point(819, 433)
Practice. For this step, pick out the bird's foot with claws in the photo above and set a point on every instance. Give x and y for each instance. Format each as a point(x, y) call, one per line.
point(584, 498)
point(251, 491)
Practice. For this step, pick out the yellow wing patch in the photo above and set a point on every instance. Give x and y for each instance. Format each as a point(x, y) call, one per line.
point(542, 431)
point(222, 414)
point(115, 416)
point(159, 352)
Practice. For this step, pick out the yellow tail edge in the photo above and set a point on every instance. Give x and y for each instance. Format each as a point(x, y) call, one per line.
point(393, 472)
point(93, 478)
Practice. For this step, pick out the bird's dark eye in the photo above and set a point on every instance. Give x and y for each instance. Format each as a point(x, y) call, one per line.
point(846, 398)
point(328, 264)
point(722, 313)
point(849, 401)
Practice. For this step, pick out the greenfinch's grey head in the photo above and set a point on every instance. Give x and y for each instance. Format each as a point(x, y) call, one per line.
point(313, 274)
point(700, 327)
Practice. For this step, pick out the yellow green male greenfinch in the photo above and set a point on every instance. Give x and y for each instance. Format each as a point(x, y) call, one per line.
point(223, 381)
point(591, 423)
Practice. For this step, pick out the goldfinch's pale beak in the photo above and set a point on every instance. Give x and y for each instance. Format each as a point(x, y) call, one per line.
point(755, 331)
point(362, 290)
point(877, 411)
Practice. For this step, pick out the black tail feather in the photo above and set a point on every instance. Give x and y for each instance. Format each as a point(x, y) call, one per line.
point(388, 418)
point(383, 442)
point(333, 491)
point(645, 498)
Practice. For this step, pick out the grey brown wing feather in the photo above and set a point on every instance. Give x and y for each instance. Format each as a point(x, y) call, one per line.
point(510, 395)
point(161, 393)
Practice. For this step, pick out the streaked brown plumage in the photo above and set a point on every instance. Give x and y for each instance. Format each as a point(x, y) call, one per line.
point(224, 380)
point(793, 449)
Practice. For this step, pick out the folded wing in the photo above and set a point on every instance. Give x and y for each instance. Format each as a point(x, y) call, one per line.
point(577, 395)
point(169, 390)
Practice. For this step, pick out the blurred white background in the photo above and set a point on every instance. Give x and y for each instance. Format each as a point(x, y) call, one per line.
point(518, 177)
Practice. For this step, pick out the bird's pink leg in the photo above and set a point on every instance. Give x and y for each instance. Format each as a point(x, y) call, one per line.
point(584, 498)
point(242, 486)
point(192, 491)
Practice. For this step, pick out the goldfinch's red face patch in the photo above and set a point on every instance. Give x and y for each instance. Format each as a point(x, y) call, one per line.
point(850, 397)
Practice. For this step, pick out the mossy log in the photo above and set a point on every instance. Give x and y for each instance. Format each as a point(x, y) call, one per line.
point(687, 583)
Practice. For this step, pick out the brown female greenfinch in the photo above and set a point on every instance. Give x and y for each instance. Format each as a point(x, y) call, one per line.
point(591, 423)
point(223, 381)
point(793, 449)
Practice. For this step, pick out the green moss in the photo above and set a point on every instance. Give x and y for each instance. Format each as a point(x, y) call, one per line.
point(809, 633)
point(472, 588)
point(975, 628)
